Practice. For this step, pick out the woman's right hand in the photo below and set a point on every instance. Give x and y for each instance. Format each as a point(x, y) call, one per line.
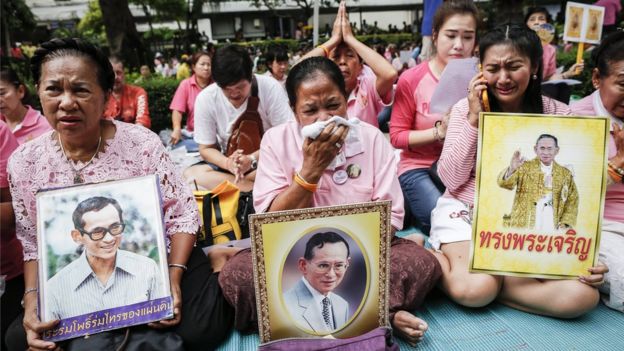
point(176, 135)
point(320, 152)
point(336, 35)
point(34, 328)
point(475, 90)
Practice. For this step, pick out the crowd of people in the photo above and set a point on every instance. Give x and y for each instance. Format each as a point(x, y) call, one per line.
point(95, 127)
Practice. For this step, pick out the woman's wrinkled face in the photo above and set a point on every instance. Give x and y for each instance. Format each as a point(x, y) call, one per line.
point(508, 75)
point(456, 38)
point(71, 97)
point(349, 63)
point(318, 99)
point(203, 67)
point(611, 89)
point(10, 97)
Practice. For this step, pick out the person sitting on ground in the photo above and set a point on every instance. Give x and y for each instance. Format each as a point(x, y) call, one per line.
point(291, 171)
point(219, 106)
point(83, 147)
point(23, 121)
point(608, 100)
point(128, 103)
point(413, 129)
point(277, 64)
point(369, 77)
point(511, 56)
point(184, 99)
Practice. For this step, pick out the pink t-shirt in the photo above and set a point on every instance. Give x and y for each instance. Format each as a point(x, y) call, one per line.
point(134, 151)
point(612, 7)
point(281, 156)
point(614, 199)
point(33, 125)
point(458, 160)
point(10, 247)
point(184, 100)
point(549, 59)
point(364, 101)
point(411, 112)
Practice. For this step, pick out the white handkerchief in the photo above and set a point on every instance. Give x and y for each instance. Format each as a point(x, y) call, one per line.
point(313, 130)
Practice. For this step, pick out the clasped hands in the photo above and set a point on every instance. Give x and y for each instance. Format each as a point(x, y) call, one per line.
point(239, 164)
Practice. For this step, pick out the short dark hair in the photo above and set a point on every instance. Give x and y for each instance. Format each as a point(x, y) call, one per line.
point(449, 9)
point(537, 9)
point(544, 136)
point(526, 43)
point(318, 240)
point(196, 56)
point(275, 53)
point(95, 203)
point(310, 68)
point(610, 51)
point(230, 65)
point(8, 75)
point(70, 47)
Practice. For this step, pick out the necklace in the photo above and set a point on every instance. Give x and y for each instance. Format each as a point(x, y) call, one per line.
point(78, 179)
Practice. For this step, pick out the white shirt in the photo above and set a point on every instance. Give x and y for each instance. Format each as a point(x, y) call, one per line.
point(215, 114)
point(318, 300)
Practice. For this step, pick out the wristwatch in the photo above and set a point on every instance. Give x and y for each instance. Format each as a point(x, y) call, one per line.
point(254, 162)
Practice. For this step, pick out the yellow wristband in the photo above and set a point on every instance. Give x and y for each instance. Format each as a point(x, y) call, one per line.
point(304, 184)
point(324, 49)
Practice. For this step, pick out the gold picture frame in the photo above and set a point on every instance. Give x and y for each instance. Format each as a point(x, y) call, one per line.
point(365, 227)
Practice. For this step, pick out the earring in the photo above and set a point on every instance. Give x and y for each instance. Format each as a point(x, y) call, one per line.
point(534, 76)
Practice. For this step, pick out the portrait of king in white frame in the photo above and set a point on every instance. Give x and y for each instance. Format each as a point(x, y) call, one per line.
point(102, 253)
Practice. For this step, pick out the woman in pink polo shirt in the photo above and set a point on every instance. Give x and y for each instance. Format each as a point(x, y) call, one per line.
point(184, 98)
point(608, 100)
point(25, 122)
point(295, 173)
point(511, 56)
point(419, 133)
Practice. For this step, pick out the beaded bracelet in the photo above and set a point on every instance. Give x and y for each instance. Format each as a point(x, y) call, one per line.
point(618, 170)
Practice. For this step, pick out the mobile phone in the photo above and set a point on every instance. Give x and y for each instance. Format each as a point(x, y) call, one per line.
point(484, 95)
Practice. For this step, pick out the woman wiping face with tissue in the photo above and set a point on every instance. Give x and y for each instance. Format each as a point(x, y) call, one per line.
point(347, 162)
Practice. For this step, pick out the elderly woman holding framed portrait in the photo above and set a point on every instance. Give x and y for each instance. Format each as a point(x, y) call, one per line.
point(74, 80)
point(346, 163)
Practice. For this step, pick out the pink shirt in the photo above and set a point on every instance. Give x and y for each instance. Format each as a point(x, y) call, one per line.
point(10, 247)
point(458, 160)
point(614, 200)
point(364, 101)
point(133, 151)
point(612, 7)
point(184, 100)
point(411, 112)
point(33, 125)
point(549, 59)
point(281, 156)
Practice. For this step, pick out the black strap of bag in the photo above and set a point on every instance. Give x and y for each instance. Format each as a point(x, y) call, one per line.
point(245, 208)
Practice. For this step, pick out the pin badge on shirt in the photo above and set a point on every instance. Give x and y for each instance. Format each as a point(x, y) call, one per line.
point(354, 170)
point(340, 176)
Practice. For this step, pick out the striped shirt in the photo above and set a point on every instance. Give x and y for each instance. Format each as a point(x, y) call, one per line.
point(75, 289)
point(458, 160)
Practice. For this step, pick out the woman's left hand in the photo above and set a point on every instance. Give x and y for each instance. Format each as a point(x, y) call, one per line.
point(176, 294)
point(596, 276)
point(575, 70)
point(618, 138)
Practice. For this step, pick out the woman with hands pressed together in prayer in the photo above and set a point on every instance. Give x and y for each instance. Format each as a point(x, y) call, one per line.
point(298, 172)
point(512, 70)
point(369, 87)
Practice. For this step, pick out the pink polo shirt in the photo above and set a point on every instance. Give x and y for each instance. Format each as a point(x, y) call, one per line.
point(184, 100)
point(549, 59)
point(614, 199)
point(33, 125)
point(364, 101)
point(411, 112)
point(10, 248)
point(281, 156)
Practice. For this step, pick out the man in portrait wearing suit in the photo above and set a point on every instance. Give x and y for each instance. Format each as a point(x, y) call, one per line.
point(312, 302)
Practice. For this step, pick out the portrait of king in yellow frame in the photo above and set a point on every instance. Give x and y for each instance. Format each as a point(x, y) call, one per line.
point(274, 235)
point(503, 244)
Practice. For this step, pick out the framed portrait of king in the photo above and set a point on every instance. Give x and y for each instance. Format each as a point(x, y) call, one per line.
point(102, 257)
point(539, 197)
point(322, 271)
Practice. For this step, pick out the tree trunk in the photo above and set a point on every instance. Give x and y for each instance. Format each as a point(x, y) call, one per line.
point(123, 39)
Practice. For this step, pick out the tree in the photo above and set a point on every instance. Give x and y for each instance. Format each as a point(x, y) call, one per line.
point(91, 26)
point(122, 36)
point(16, 16)
point(306, 6)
